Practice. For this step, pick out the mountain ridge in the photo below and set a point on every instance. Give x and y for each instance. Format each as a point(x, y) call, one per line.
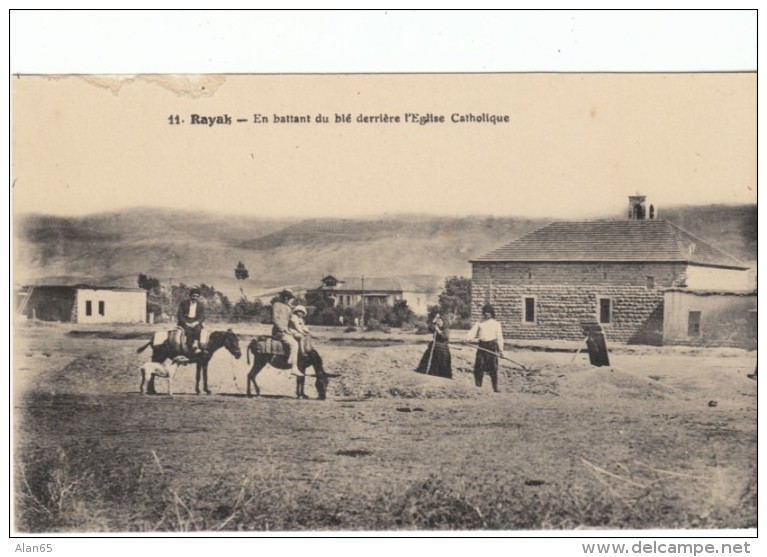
point(197, 247)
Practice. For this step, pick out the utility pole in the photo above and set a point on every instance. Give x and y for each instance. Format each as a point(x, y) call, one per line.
point(362, 319)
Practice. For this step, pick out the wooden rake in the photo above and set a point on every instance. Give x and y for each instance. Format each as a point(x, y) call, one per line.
point(497, 355)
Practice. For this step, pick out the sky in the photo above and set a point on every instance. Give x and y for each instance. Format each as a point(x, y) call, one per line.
point(575, 144)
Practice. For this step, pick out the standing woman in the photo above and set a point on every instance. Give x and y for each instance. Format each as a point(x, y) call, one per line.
point(436, 360)
point(490, 336)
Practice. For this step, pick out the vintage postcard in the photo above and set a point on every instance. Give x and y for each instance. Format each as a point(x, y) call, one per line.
point(400, 303)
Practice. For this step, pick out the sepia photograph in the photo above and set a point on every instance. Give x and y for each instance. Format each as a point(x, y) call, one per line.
point(399, 302)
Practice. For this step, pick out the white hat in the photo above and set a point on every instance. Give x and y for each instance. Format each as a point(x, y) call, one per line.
point(300, 309)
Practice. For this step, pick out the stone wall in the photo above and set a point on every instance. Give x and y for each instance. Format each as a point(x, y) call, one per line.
point(636, 312)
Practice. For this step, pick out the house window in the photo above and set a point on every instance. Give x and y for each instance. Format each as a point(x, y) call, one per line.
point(101, 307)
point(88, 307)
point(530, 310)
point(651, 283)
point(605, 310)
point(693, 324)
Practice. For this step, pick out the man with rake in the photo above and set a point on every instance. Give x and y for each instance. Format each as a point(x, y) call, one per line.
point(490, 347)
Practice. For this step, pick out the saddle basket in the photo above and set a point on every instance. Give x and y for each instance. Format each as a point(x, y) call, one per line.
point(269, 345)
point(176, 339)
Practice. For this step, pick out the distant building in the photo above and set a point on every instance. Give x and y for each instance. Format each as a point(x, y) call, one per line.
point(545, 284)
point(381, 291)
point(83, 304)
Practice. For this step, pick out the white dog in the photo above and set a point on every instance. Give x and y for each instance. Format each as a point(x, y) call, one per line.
point(151, 370)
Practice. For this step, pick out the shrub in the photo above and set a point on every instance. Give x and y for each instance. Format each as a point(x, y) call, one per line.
point(375, 325)
point(250, 310)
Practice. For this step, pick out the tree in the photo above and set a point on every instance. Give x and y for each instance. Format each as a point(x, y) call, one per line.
point(156, 298)
point(400, 314)
point(455, 301)
point(217, 305)
point(148, 283)
point(253, 311)
point(241, 273)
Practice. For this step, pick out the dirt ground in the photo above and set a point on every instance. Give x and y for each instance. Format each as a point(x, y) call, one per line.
point(663, 439)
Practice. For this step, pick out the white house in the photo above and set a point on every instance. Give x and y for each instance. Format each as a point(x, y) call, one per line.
point(382, 291)
point(84, 304)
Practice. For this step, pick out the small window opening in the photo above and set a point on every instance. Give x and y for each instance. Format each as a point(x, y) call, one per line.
point(529, 310)
point(605, 310)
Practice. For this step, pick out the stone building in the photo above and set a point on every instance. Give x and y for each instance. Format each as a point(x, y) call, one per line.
point(545, 284)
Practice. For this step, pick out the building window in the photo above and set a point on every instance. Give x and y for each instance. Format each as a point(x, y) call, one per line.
point(101, 307)
point(693, 324)
point(88, 307)
point(530, 310)
point(605, 310)
point(651, 283)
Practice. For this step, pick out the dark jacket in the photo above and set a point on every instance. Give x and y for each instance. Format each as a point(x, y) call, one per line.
point(183, 311)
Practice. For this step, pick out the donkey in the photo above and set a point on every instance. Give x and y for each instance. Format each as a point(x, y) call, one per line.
point(175, 351)
point(268, 351)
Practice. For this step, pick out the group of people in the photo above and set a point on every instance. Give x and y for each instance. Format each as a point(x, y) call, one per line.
point(289, 327)
point(489, 337)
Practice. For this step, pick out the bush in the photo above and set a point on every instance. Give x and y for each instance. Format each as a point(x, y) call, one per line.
point(422, 328)
point(253, 311)
point(463, 324)
point(375, 325)
point(455, 302)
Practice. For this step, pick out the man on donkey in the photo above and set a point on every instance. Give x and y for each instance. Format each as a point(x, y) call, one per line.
point(191, 314)
point(282, 311)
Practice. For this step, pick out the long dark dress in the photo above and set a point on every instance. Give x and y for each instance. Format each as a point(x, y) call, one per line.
point(441, 364)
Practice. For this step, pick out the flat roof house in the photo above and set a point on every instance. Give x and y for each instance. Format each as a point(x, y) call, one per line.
point(83, 304)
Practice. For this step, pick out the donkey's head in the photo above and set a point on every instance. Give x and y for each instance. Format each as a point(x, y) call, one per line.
point(232, 343)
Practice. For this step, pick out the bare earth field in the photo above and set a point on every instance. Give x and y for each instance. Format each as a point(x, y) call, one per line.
point(664, 439)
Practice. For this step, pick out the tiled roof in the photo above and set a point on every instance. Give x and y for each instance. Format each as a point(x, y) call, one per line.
point(612, 241)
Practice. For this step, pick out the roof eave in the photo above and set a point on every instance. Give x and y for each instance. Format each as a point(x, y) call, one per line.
point(684, 261)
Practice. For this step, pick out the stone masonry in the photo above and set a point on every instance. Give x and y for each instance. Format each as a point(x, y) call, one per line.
point(567, 294)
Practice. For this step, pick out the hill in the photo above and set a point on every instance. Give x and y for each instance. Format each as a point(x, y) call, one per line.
point(204, 248)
